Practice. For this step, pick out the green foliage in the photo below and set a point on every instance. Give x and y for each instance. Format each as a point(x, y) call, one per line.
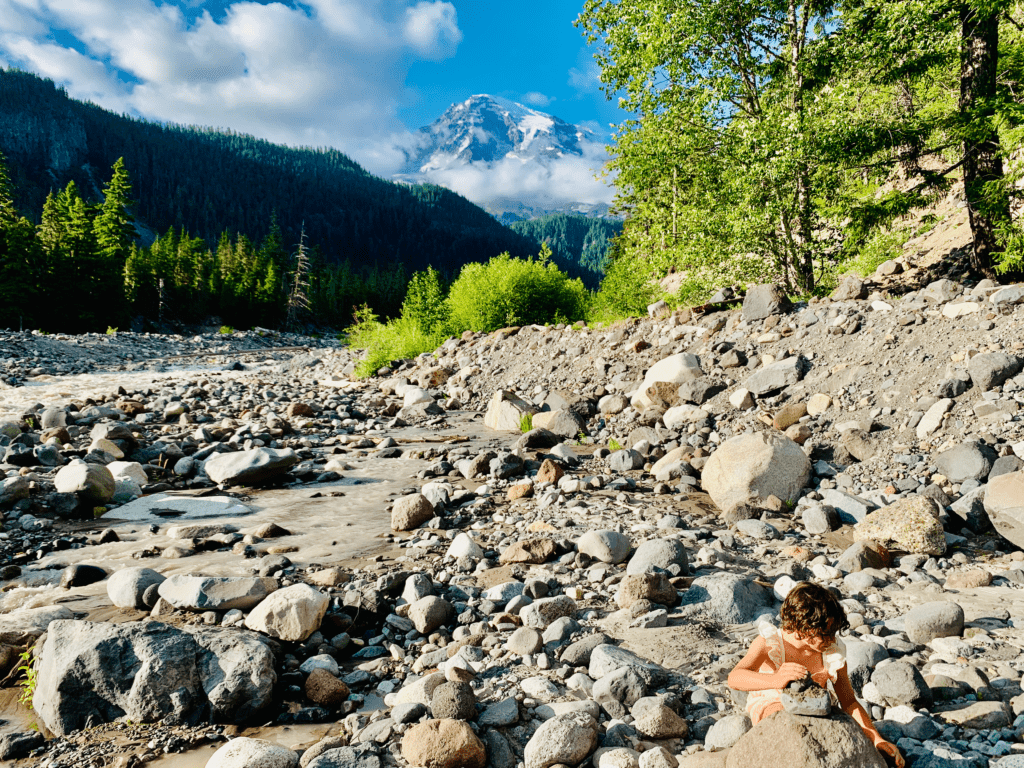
point(507, 291)
point(226, 330)
point(879, 247)
point(526, 423)
point(28, 683)
point(398, 339)
point(424, 301)
point(111, 330)
point(614, 445)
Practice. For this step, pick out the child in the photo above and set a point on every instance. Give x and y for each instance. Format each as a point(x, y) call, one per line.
point(807, 643)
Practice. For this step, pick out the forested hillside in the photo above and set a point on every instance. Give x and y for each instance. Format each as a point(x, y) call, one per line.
point(573, 238)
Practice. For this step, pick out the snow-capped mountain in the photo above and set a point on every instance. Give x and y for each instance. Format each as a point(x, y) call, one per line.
point(507, 156)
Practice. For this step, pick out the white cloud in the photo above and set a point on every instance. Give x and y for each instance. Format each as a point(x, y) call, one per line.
point(536, 99)
point(323, 73)
point(432, 28)
point(555, 183)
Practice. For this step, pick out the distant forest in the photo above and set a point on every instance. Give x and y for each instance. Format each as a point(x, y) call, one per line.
point(216, 219)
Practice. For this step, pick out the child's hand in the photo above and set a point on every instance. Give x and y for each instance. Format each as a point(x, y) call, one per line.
point(789, 672)
point(887, 748)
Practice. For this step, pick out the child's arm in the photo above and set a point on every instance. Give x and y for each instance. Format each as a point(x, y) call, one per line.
point(848, 701)
point(745, 677)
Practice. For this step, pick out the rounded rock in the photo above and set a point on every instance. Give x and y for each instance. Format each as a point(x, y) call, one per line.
point(127, 588)
point(253, 753)
point(456, 701)
point(443, 744)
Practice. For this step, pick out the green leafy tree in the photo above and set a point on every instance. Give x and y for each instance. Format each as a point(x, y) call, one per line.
point(424, 301)
point(716, 172)
point(18, 253)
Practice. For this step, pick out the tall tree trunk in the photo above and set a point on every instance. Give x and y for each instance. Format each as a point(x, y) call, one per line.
point(803, 262)
point(983, 163)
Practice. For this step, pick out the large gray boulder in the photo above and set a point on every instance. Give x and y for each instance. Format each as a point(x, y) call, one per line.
point(1004, 503)
point(92, 673)
point(764, 300)
point(972, 460)
point(727, 598)
point(928, 621)
point(255, 467)
point(787, 741)
point(750, 468)
point(606, 546)
point(562, 740)
point(658, 554)
point(990, 369)
point(215, 593)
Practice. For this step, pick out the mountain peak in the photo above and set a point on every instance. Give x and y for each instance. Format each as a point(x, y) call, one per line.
point(486, 128)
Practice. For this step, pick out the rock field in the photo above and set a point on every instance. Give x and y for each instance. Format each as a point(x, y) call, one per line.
point(571, 594)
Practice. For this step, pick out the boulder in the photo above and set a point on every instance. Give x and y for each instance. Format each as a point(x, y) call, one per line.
point(506, 411)
point(563, 740)
point(990, 369)
point(898, 682)
point(655, 720)
point(291, 614)
point(91, 673)
point(532, 551)
point(456, 701)
point(645, 586)
point(785, 740)
point(92, 483)
point(215, 593)
point(1004, 504)
point(253, 753)
point(625, 460)
point(411, 512)
point(680, 415)
point(541, 613)
point(972, 460)
point(562, 423)
point(659, 554)
point(126, 587)
point(673, 370)
point(909, 524)
point(752, 467)
point(776, 376)
point(727, 731)
point(80, 575)
point(443, 744)
point(254, 467)
point(727, 598)
point(764, 300)
point(850, 289)
point(325, 690)
point(430, 612)
point(928, 621)
point(606, 546)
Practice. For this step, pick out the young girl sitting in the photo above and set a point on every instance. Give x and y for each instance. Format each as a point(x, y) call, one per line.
point(807, 643)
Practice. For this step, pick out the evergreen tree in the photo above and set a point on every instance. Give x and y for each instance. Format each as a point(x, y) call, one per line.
point(298, 299)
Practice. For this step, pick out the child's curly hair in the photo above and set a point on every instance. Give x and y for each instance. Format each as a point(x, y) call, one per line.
point(811, 610)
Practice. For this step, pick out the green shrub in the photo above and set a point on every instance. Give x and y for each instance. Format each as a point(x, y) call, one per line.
point(526, 423)
point(226, 329)
point(384, 342)
point(614, 445)
point(507, 291)
point(28, 684)
point(625, 291)
point(879, 247)
point(111, 330)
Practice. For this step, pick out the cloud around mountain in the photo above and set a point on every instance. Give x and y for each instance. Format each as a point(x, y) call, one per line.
point(320, 73)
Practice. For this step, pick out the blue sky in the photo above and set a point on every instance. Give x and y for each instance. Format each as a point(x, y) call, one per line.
point(358, 75)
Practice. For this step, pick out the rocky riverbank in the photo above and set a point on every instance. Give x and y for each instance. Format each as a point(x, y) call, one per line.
point(178, 553)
